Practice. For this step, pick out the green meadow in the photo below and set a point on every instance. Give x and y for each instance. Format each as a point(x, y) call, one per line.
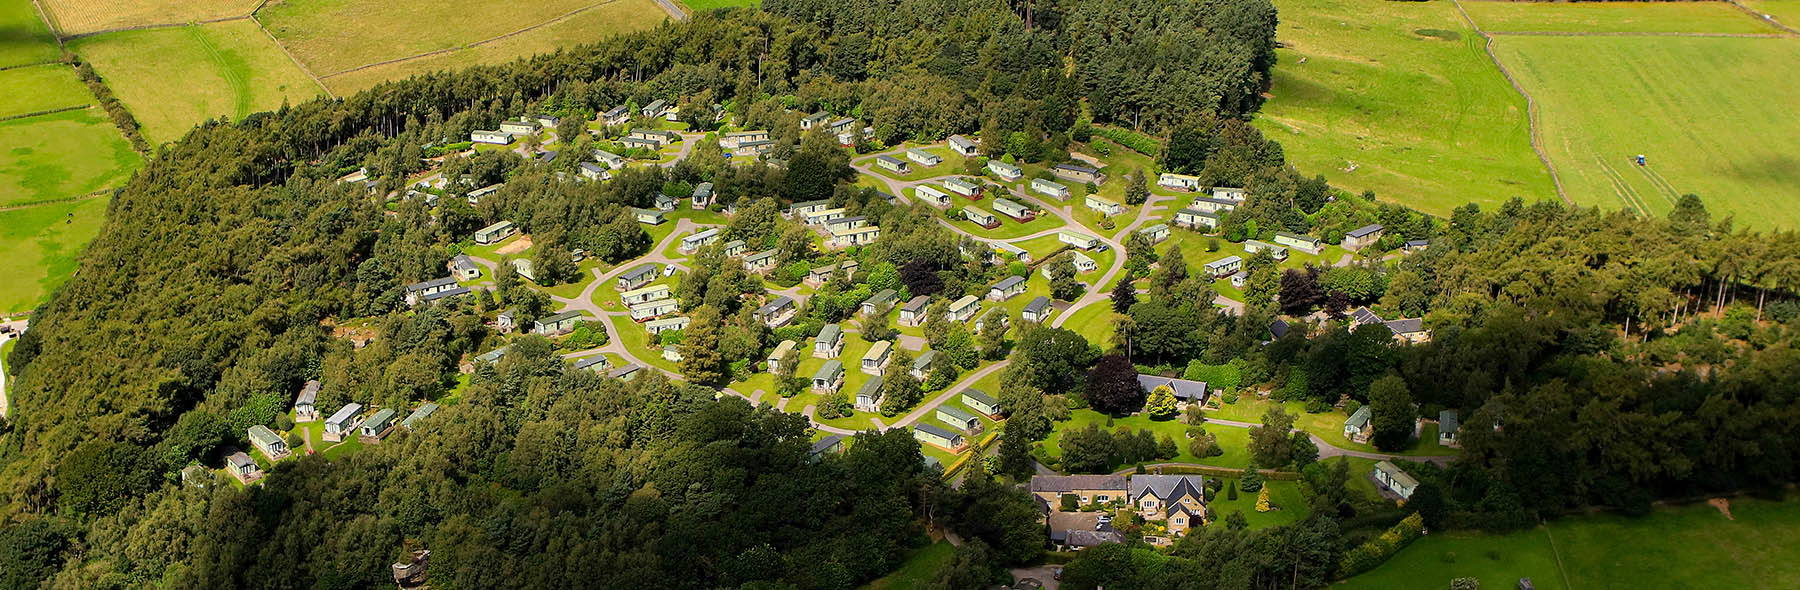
point(1401, 99)
point(39, 246)
point(1613, 17)
point(61, 155)
point(27, 40)
point(53, 86)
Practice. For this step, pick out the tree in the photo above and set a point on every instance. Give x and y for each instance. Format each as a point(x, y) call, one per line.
point(1300, 291)
point(1173, 270)
point(1305, 451)
point(1124, 295)
point(899, 390)
point(1063, 285)
point(992, 341)
point(1015, 454)
point(920, 276)
point(701, 361)
point(1428, 500)
point(1253, 477)
point(1391, 413)
point(1270, 443)
point(1051, 359)
point(1113, 386)
point(1203, 444)
point(1161, 405)
point(1140, 253)
point(1136, 189)
point(1262, 500)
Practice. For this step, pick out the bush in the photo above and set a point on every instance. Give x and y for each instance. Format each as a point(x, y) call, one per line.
point(1218, 377)
point(1376, 551)
point(1230, 397)
point(1137, 142)
point(1315, 406)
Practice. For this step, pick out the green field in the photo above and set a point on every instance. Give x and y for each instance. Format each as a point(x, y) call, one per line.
point(1613, 17)
point(1693, 546)
point(26, 40)
point(704, 5)
point(1711, 113)
point(1403, 92)
point(53, 86)
point(918, 569)
point(60, 156)
point(38, 248)
point(1785, 11)
point(175, 78)
point(74, 17)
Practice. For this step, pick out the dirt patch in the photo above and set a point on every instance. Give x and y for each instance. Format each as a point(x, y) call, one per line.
point(1723, 505)
point(520, 245)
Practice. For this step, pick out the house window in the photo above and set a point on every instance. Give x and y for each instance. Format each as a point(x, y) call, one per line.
point(1084, 499)
point(1102, 498)
point(1180, 520)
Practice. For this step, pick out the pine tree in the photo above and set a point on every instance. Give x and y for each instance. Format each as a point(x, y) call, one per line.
point(1124, 295)
point(701, 361)
point(1136, 189)
point(1262, 500)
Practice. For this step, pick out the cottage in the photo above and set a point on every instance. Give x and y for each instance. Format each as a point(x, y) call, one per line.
point(880, 301)
point(701, 238)
point(1054, 190)
point(1228, 193)
point(777, 312)
point(557, 323)
point(1179, 182)
point(1179, 500)
point(931, 195)
point(1224, 267)
point(490, 137)
point(1357, 427)
point(829, 342)
point(1447, 427)
point(433, 290)
point(829, 377)
point(1005, 171)
point(760, 261)
point(892, 164)
point(961, 419)
point(963, 187)
point(981, 217)
point(1077, 173)
point(924, 158)
point(938, 436)
point(635, 278)
point(304, 408)
point(1363, 237)
point(653, 309)
point(1007, 288)
point(868, 397)
point(271, 444)
point(667, 324)
point(860, 236)
point(243, 467)
point(428, 408)
point(618, 115)
point(877, 357)
point(824, 216)
point(921, 367)
point(980, 401)
point(519, 127)
point(780, 354)
point(1277, 252)
point(1212, 205)
point(756, 148)
point(963, 309)
point(343, 422)
point(656, 108)
point(1307, 244)
point(1395, 480)
point(964, 146)
point(1038, 310)
point(1409, 331)
point(913, 312)
point(1196, 219)
point(1103, 205)
point(1186, 391)
point(734, 139)
point(494, 233)
point(1087, 489)
point(1079, 240)
point(1013, 209)
point(379, 425)
point(650, 293)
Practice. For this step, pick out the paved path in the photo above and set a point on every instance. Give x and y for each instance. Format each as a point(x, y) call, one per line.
point(968, 380)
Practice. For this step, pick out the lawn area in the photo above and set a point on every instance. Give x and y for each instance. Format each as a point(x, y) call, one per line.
point(28, 40)
point(1711, 114)
point(1234, 441)
point(1399, 98)
point(88, 16)
point(375, 39)
point(1325, 425)
point(39, 246)
point(641, 343)
point(1604, 17)
point(570, 290)
point(1786, 11)
point(1009, 228)
point(62, 155)
point(917, 571)
point(174, 78)
point(1286, 496)
point(1094, 322)
point(1691, 546)
point(53, 86)
point(952, 165)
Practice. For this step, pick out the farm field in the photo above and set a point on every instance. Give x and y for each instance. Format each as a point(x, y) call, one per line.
point(1663, 97)
point(704, 5)
point(1603, 17)
point(27, 40)
point(1785, 11)
point(61, 155)
point(74, 17)
point(1692, 546)
point(52, 86)
point(172, 79)
point(317, 38)
point(39, 246)
point(1404, 94)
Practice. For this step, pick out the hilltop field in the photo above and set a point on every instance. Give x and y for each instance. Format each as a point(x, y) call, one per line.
point(1403, 99)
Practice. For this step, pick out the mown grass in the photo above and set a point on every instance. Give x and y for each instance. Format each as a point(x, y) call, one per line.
point(39, 246)
point(61, 155)
point(1404, 93)
point(87, 16)
point(51, 86)
point(705, 5)
point(1614, 17)
point(29, 41)
point(172, 79)
point(919, 567)
point(1787, 12)
point(1712, 115)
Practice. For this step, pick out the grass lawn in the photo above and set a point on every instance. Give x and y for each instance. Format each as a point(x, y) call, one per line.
point(1405, 93)
point(1094, 322)
point(87, 16)
point(641, 343)
point(39, 246)
point(62, 155)
point(1709, 112)
point(331, 48)
point(1235, 441)
point(175, 78)
point(704, 5)
point(1009, 227)
point(1786, 11)
point(570, 290)
point(1600, 17)
point(1286, 496)
point(952, 165)
point(920, 565)
point(1326, 425)
point(28, 40)
point(53, 86)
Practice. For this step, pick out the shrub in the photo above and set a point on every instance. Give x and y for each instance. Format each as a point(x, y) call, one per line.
point(1137, 142)
point(1368, 555)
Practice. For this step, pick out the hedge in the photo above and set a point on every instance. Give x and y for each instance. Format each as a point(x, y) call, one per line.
point(1138, 142)
point(1373, 553)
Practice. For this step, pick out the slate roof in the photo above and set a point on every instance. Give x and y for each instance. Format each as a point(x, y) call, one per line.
point(1406, 326)
point(1447, 423)
point(1068, 483)
point(1278, 328)
point(431, 284)
point(1362, 316)
point(1168, 487)
point(1186, 390)
point(1038, 305)
point(1364, 230)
